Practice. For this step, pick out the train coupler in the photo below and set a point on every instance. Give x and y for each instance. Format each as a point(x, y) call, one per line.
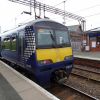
point(59, 76)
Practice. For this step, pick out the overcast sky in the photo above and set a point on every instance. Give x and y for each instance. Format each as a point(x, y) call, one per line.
point(10, 13)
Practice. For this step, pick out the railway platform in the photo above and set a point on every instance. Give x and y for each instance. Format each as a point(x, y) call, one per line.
point(15, 86)
point(88, 55)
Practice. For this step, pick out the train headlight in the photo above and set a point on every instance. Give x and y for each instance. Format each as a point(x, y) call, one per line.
point(43, 62)
point(68, 57)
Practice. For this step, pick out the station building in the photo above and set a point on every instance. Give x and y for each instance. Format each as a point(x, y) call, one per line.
point(76, 37)
point(85, 41)
point(91, 40)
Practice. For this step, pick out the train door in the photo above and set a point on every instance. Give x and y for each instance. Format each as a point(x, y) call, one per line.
point(21, 47)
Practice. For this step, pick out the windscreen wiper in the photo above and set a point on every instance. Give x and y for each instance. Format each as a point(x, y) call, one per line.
point(53, 39)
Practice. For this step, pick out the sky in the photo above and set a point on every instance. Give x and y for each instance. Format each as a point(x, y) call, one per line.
point(10, 12)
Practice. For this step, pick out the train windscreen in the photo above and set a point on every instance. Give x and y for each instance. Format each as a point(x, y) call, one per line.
point(62, 38)
point(50, 38)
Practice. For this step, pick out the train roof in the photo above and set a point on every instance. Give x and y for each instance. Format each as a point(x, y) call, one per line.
point(26, 24)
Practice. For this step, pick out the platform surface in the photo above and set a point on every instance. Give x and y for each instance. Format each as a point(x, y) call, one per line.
point(88, 55)
point(14, 86)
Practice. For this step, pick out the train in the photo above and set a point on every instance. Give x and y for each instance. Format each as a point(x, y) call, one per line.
point(42, 47)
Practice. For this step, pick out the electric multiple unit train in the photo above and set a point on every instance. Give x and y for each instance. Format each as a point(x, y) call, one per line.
point(42, 47)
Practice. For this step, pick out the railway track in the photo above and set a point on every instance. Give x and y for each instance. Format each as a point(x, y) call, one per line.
point(87, 62)
point(87, 72)
point(88, 68)
point(86, 81)
point(90, 87)
point(81, 92)
point(67, 92)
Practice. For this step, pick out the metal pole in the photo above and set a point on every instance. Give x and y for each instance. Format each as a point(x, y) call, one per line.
point(44, 11)
point(30, 7)
point(35, 8)
point(64, 13)
point(40, 10)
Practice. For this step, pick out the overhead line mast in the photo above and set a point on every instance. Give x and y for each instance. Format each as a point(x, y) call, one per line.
point(52, 9)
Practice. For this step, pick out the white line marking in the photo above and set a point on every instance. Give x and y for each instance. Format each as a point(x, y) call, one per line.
point(87, 57)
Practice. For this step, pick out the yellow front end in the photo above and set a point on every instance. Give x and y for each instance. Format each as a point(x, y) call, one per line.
point(55, 54)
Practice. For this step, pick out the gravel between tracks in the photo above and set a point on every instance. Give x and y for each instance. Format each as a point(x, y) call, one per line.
point(88, 86)
point(66, 93)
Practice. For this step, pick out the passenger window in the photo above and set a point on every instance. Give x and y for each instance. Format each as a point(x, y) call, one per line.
point(6, 43)
point(13, 43)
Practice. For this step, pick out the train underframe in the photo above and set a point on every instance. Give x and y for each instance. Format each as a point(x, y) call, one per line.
point(58, 75)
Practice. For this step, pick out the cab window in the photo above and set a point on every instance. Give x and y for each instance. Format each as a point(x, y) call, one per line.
point(45, 37)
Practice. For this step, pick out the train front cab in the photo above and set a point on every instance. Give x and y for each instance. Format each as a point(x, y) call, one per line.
point(53, 64)
point(53, 52)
